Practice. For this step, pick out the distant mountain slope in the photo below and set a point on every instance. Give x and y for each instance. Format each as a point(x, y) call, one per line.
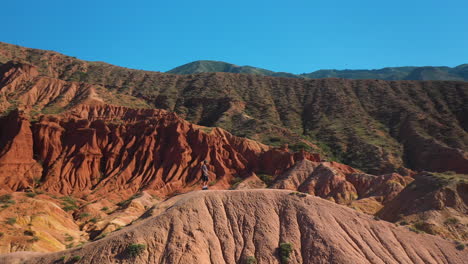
point(219, 66)
point(428, 73)
point(397, 73)
point(459, 73)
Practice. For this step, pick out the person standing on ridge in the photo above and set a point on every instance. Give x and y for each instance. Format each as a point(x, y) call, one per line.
point(205, 175)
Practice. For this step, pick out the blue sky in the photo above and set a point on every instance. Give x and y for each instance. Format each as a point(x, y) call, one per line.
point(293, 36)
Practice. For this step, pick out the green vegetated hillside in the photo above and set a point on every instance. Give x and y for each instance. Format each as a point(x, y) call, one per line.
point(219, 66)
point(458, 73)
point(375, 125)
point(396, 73)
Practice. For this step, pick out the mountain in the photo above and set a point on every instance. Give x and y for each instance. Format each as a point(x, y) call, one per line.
point(257, 226)
point(97, 158)
point(219, 66)
point(394, 73)
point(397, 73)
point(427, 73)
point(374, 125)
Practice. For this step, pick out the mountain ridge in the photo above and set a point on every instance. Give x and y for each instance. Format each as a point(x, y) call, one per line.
point(457, 73)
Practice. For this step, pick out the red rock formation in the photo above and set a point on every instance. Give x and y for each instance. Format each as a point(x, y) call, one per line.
point(23, 84)
point(435, 203)
point(339, 182)
point(386, 187)
point(18, 169)
point(109, 149)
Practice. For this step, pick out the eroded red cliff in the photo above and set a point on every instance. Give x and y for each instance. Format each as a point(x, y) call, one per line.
point(110, 149)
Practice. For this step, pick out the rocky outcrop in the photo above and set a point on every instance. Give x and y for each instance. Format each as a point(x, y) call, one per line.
point(18, 169)
point(102, 149)
point(232, 226)
point(36, 223)
point(340, 183)
point(439, 205)
point(22, 85)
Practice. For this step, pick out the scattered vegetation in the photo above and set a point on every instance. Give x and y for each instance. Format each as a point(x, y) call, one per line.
point(11, 221)
point(80, 244)
point(459, 245)
point(52, 109)
point(451, 221)
point(78, 76)
point(6, 199)
point(69, 203)
point(31, 194)
point(414, 230)
point(206, 130)
point(299, 146)
point(83, 215)
point(28, 233)
point(403, 223)
point(62, 258)
point(447, 178)
point(75, 259)
point(68, 238)
point(103, 235)
point(285, 250)
point(105, 209)
point(212, 183)
point(93, 220)
point(37, 180)
point(267, 179)
point(251, 260)
point(134, 250)
point(1, 234)
point(235, 182)
point(423, 226)
point(127, 202)
point(299, 194)
point(34, 239)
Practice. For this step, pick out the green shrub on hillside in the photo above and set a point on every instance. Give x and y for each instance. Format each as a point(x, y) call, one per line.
point(75, 259)
point(134, 250)
point(251, 260)
point(451, 221)
point(459, 245)
point(235, 182)
point(69, 203)
point(285, 250)
point(31, 194)
point(5, 198)
point(10, 221)
point(267, 179)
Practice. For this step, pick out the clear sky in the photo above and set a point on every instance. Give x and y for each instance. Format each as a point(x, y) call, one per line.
point(293, 36)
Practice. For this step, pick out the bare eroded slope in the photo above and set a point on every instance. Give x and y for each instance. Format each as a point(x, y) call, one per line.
point(230, 226)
